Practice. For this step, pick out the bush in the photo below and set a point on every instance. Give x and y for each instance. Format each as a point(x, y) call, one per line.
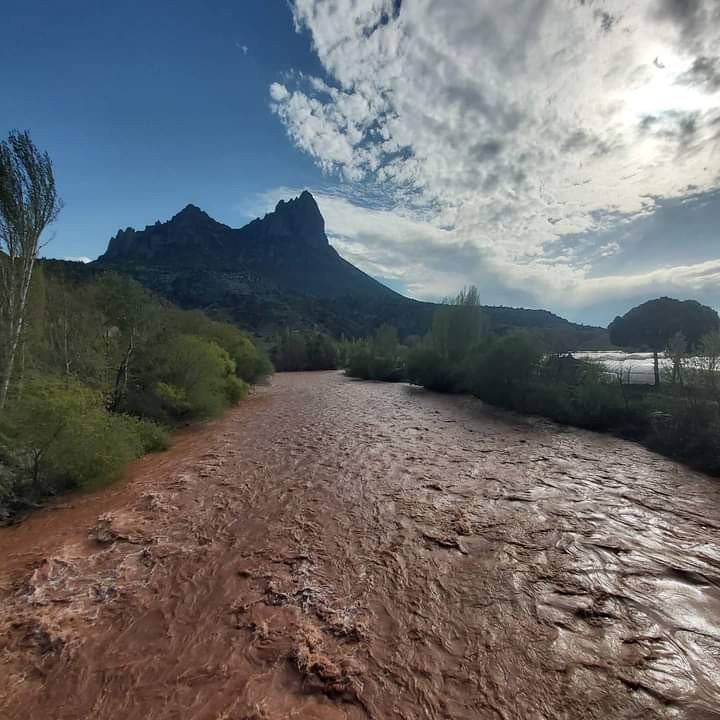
point(304, 351)
point(502, 371)
point(173, 399)
point(378, 359)
point(105, 357)
point(63, 438)
point(686, 429)
point(153, 437)
point(358, 361)
point(321, 353)
point(551, 400)
point(195, 378)
point(251, 362)
point(427, 367)
point(236, 390)
point(598, 406)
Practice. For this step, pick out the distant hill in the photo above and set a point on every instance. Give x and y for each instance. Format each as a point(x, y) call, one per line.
point(280, 271)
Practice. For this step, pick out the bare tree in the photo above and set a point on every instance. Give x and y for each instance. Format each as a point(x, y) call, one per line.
point(623, 377)
point(28, 204)
point(677, 353)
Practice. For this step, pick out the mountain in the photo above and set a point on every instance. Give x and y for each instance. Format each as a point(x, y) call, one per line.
point(281, 271)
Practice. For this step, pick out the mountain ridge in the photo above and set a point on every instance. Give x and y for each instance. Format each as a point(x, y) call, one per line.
point(279, 271)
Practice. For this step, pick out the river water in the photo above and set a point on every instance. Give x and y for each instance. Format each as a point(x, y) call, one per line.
point(344, 549)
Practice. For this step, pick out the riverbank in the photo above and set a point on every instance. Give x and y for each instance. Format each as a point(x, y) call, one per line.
point(345, 549)
point(681, 420)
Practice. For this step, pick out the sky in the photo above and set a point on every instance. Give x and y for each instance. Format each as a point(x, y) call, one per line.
point(562, 154)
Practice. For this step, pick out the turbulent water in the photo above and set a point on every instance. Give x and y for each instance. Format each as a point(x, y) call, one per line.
point(344, 549)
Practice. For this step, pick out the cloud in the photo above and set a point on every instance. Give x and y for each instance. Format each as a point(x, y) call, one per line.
point(79, 258)
point(705, 72)
point(429, 263)
point(693, 20)
point(279, 93)
point(507, 128)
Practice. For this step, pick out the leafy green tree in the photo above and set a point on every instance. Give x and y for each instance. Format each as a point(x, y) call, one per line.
point(506, 366)
point(290, 352)
point(321, 353)
point(438, 362)
point(652, 324)
point(74, 333)
point(427, 366)
point(381, 357)
point(458, 325)
point(130, 316)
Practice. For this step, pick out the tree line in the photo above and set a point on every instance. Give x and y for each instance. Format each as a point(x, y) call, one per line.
point(94, 370)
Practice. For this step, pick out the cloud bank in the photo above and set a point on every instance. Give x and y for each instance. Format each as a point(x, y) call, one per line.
point(512, 144)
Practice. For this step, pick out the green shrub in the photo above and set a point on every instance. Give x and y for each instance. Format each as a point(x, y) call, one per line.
point(236, 390)
point(358, 361)
point(377, 359)
point(686, 429)
point(502, 370)
point(294, 351)
point(153, 437)
point(63, 438)
point(194, 378)
point(551, 400)
point(427, 367)
point(322, 353)
point(598, 406)
point(173, 399)
point(251, 363)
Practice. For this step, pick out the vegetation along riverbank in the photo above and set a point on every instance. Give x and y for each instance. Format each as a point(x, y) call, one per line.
point(679, 417)
point(95, 370)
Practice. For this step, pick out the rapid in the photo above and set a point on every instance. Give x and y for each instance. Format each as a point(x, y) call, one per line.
point(338, 549)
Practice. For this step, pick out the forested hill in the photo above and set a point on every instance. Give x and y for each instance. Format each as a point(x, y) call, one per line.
point(280, 271)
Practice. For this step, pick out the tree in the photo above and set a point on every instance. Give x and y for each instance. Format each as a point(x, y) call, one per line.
point(321, 353)
point(28, 204)
point(707, 363)
point(506, 366)
point(676, 351)
point(290, 353)
point(652, 325)
point(458, 325)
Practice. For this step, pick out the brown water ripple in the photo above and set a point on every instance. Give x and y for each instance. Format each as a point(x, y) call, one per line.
point(343, 549)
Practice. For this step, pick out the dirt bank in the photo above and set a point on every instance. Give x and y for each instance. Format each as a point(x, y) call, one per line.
point(341, 549)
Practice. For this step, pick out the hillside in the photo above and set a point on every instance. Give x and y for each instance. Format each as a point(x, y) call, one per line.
point(281, 271)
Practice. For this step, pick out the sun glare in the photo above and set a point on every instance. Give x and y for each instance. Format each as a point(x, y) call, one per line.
point(665, 91)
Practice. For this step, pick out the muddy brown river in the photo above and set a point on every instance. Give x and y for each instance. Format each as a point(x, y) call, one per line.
point(343, 549)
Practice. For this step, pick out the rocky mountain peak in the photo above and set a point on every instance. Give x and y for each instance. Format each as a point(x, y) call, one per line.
point(192, 236)
point(300, 218)
point(192, 214)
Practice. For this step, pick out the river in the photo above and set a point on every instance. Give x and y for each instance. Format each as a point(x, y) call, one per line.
point(344, 549)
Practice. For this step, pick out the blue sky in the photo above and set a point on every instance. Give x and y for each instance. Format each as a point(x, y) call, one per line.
point(557, 153)
point(147, 106)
